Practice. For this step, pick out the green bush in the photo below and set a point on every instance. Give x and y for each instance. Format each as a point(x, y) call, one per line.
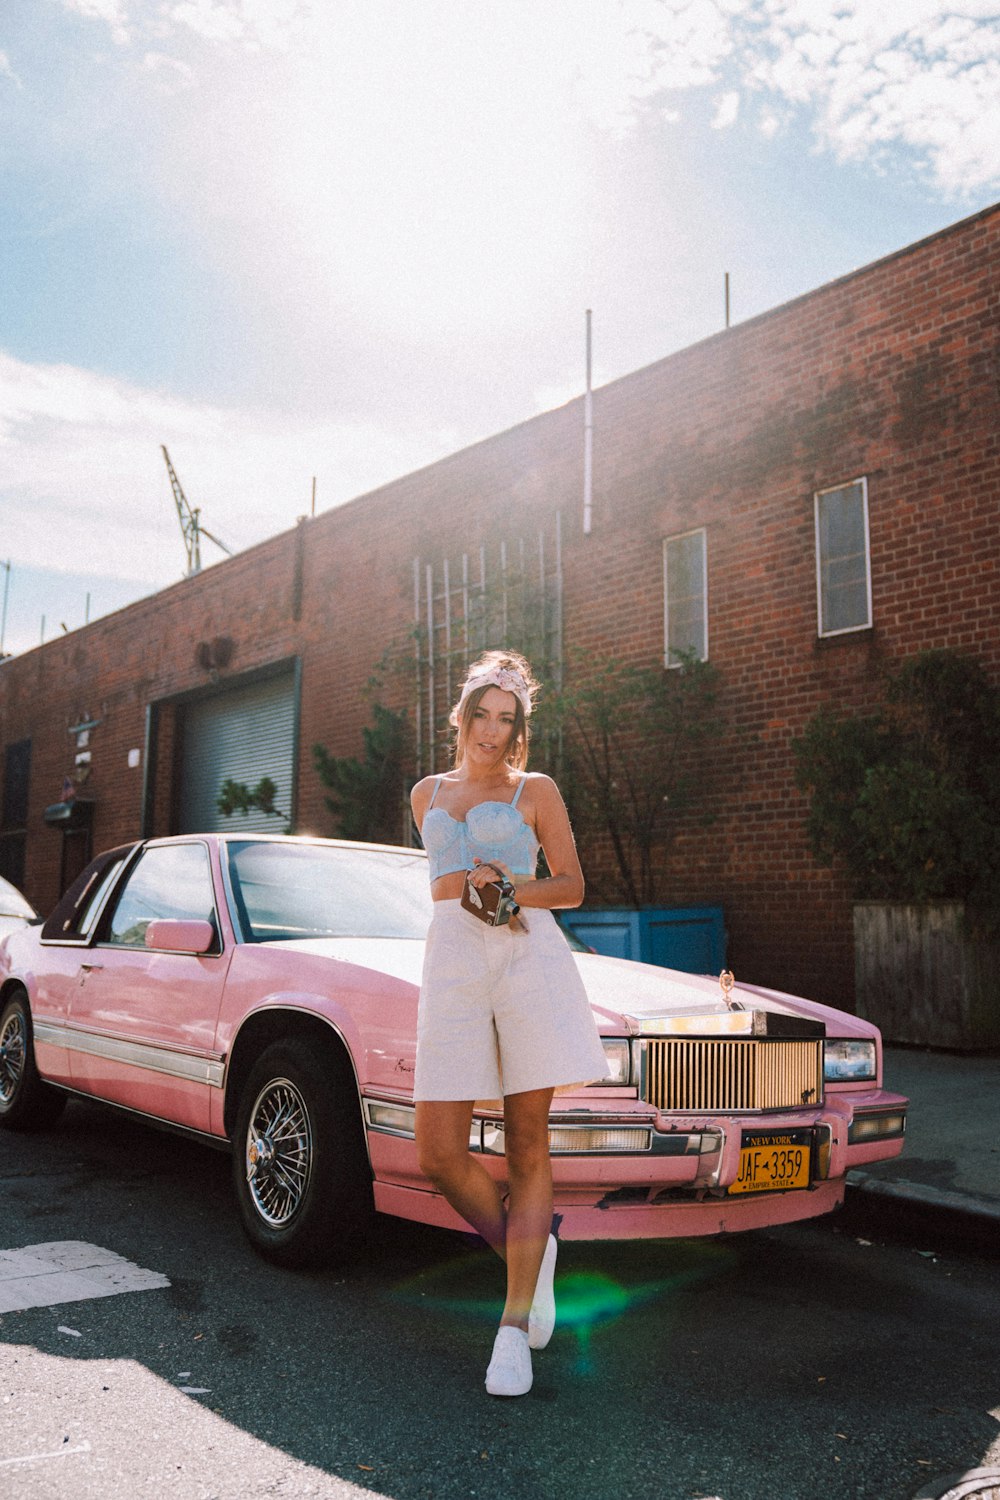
point(236, 796)
point(907, 798)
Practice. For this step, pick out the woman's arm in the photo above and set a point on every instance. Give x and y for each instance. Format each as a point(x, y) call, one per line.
point(564, 887)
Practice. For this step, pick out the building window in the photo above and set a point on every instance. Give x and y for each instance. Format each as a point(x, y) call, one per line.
point(843, 567)
point(14, 811)
point(685, 597)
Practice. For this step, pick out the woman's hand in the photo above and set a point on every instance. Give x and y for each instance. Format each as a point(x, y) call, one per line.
point(485, 873)
point(482, 874)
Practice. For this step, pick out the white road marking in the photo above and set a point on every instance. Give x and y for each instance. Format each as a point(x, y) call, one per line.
point(35, 1458)
point(68, 1271)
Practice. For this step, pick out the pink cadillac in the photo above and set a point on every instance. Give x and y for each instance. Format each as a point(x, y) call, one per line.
point(261, 993)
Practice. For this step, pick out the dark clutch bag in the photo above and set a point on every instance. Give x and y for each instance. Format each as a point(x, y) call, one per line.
point(492, 903)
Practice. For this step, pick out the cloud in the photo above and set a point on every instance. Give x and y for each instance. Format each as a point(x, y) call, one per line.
point(914, 75)
point(6, 71)
point(872, 78)
point(727, 107)
point(170, 72)
point(253, 23)
point(249, 471)
point(112, 12)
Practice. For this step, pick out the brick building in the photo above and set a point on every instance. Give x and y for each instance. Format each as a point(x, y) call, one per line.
point(806, 497)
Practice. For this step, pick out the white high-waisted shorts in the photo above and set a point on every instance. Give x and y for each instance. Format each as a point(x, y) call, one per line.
point(501, 1010)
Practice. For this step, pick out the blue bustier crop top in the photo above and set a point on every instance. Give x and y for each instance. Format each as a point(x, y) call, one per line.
point(491, 831)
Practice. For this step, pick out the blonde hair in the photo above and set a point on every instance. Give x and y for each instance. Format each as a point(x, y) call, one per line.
point(489, 666)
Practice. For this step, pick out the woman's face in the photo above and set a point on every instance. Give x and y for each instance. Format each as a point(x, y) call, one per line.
point(492, 726)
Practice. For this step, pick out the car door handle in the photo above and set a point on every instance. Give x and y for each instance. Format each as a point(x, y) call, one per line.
point(87, 967)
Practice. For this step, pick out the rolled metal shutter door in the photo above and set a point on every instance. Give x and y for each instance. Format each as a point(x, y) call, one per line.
point(245, 733)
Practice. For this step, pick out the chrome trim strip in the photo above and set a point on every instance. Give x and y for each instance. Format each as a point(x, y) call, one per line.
point(487, 1132)
point(189, 1067)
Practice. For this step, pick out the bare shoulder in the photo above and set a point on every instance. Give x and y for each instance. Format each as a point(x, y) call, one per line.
point(542, 790)
point(421, 794)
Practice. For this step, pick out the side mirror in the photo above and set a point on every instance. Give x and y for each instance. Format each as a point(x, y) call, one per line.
point(175, 936)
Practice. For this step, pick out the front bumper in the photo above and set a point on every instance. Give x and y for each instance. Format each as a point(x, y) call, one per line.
point(624, 1170)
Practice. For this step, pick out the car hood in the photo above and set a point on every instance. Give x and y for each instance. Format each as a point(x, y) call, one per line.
point(622, 993)
point(402, 958)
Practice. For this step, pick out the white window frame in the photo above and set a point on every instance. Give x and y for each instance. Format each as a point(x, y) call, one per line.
point(681, 536)
point(846, 484)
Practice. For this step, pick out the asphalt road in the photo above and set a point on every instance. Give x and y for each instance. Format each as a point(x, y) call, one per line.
point(800, 1364)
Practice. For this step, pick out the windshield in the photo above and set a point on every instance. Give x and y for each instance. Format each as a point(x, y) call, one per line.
point(285, 890)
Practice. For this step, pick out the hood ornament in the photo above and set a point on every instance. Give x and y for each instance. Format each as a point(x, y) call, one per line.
point(727, 983)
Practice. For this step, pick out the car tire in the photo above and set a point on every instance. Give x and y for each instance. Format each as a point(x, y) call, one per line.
point(26, 1103)
point(300, 1169)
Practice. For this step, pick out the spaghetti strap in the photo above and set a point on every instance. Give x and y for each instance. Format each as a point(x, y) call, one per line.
point(520, 789)
point(437, 788)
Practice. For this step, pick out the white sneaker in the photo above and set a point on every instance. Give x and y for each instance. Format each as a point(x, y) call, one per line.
point(542, 1318)
point(509, 1373)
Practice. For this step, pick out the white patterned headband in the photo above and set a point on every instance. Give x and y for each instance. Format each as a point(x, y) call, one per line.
point(508, 679)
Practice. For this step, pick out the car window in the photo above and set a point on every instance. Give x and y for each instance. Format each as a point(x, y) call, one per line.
point(90, 910)
point(172, 880)
point(286, 890)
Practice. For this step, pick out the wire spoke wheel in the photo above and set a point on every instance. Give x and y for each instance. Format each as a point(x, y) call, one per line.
point(12, 1055)
point(300, 1168)
point(279, 1152)
point(26, 1101)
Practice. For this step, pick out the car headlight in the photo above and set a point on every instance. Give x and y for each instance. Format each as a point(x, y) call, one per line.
point(848, 1061)
point(876, 1126)
point(618, 1051)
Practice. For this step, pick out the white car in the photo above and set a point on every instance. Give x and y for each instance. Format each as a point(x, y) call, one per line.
point(15, 912)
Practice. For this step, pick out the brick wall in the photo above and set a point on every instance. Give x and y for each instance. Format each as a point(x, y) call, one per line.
point(890, 373)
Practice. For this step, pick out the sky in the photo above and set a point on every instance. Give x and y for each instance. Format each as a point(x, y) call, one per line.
point(340, 239)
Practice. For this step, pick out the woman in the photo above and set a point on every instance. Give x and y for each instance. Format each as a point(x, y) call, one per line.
point(503, 1011)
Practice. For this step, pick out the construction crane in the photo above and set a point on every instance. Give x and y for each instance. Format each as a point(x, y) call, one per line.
point(191, 526)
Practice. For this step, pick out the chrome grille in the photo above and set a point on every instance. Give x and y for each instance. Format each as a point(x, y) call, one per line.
point(730, 1074)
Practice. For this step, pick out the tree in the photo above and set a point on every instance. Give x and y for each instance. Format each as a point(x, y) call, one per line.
point(367, 794)
point(632, 771)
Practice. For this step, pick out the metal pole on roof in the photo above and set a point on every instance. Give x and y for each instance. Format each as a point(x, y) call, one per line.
point(3, 618)
point(418, 716)
point(588, 443)
point(727, 299)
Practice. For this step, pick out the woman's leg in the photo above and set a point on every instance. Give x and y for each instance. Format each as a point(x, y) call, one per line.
point(442, 1130)
point(518, 1234)
point(529, 1204)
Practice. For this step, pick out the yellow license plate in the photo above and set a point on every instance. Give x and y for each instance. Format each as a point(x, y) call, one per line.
point(774, 1163)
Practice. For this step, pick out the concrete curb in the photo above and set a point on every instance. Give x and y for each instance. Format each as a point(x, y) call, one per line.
point(975, 1484)
point(914, 1207)
point(919, 1192)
